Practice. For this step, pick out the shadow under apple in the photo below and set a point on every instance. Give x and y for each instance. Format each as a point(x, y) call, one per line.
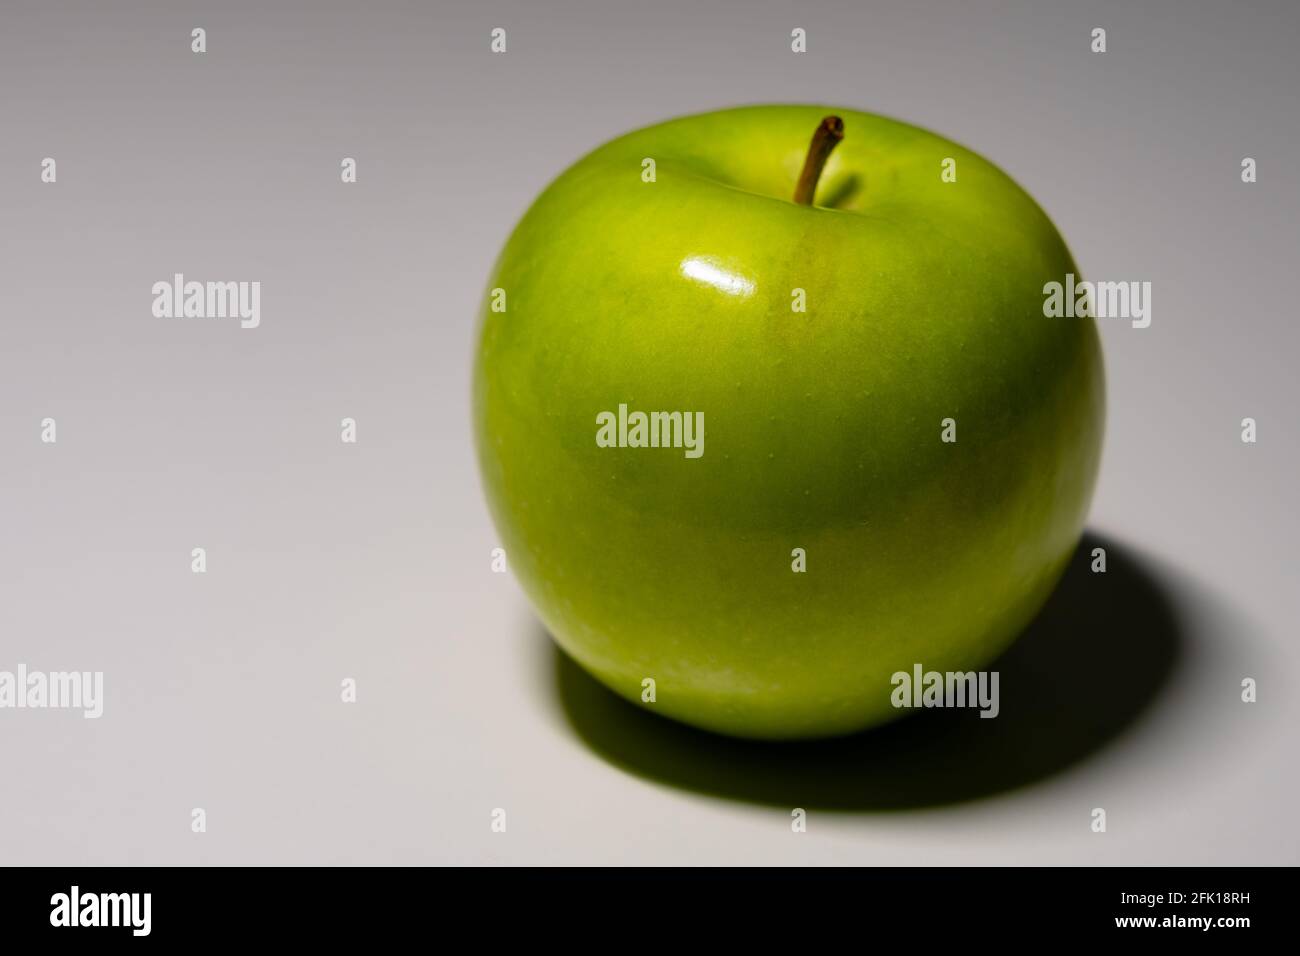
point(1096, 657)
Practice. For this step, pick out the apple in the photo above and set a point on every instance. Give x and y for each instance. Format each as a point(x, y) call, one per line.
point(896, 447)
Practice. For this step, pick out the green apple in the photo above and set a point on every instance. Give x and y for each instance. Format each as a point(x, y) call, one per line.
point(893, 475)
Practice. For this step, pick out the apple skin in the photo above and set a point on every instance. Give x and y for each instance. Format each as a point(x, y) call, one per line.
point(822, 429)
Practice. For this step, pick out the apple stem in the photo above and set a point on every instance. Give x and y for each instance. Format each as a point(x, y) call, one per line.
point(825, 139)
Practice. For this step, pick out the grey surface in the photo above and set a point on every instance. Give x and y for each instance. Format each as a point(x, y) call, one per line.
point(371, 561)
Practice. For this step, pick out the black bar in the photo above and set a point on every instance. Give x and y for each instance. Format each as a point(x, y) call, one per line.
point(333, 906)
